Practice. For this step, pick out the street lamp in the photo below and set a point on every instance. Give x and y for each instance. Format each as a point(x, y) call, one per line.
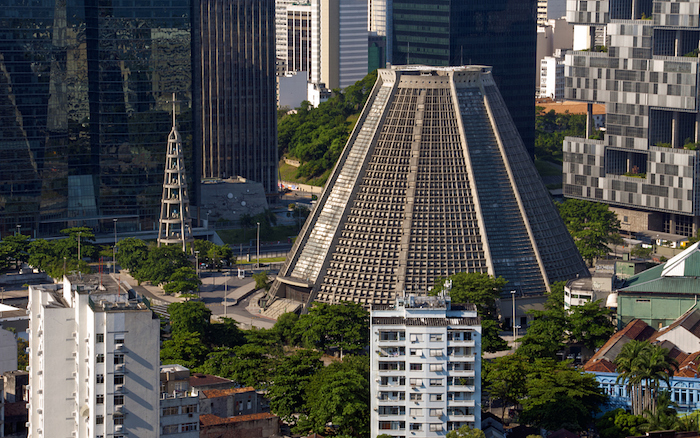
point(18, 229)
point(114, 249)
point(515, 329)
point(258, 262)
point(79, 250)
point(225, 290)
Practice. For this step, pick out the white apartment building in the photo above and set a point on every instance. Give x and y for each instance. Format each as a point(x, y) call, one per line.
point(425, 367)
point(552, 77)
point(93, 361)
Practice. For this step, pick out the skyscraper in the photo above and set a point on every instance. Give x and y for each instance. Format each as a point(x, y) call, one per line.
point(646, 163)
point(85, 96)
point(433, 181)
point(501, 34)
point(338, 42)
point(236, 74)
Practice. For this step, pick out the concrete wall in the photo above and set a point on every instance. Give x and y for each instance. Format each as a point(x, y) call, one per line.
point(262, 428)
point(8, 351)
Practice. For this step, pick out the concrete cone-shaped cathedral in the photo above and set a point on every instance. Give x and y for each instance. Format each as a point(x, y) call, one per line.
point(433, 181)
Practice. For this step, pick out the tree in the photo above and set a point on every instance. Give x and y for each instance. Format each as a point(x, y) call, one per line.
point(214, 254)
point(131, 253)
point(466, 432)
point(665, 417)
point(546, 334)
point(344, 325)
point(592, 226)
point(53, 258)
point(505, 379)
point(292, 375)
point(14, 249)
point(620, 424)
point(339, 395)
point(189, 316)
point(225, 333)
point(643, 366)
point(183, 280)
point(69, 246)
point(554, 388)
point(285, 328)
point(590, 324)
point(250, 365)
point(161, 264)
point(482, 290)
point(262, 280)
point(184, 348)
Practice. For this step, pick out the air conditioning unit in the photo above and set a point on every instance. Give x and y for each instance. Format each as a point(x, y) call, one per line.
point(75, 334)
point(40, 391)
point(190, 415)
point(39, 411)
point(119, 427)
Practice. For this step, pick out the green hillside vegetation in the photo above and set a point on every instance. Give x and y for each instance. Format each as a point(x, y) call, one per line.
point(550, 130)
point(316, 136)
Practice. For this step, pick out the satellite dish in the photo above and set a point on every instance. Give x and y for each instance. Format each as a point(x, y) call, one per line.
point(230, 196)
point(243, 203)
point(85, 411)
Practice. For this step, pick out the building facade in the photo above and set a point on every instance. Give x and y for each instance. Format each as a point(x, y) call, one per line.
point(477, 32)
point(179, 409)
point(434, 180)
point(552, 78)
point(293, 35)
point(339, 40)
point(84, 114)
point(648, 160)
point(425, 371)
point(93, 361)
point(236, 73)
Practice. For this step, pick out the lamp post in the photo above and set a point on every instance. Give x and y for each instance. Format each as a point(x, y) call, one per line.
point(79, 248)
point(114, 249)
point(515, 329)
point(18, 229)
point(258, 260)
point(225, 290)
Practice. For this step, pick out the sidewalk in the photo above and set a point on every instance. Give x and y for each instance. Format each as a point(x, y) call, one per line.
point(152, 292)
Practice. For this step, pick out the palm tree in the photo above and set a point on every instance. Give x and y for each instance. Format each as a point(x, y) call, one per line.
point(629, 371)
point(663, 418)
point(644, 366)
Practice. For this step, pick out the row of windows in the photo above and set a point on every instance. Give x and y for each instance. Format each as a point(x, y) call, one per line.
point(118, 399)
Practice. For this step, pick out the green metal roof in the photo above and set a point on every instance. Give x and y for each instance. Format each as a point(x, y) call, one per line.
point(644, 276)
point(669, 285)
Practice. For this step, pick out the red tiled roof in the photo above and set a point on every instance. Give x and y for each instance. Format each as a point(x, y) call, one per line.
point(636, 330)
point(689, 366)
point(600, 366)
point(213, 420)
point(214, 393)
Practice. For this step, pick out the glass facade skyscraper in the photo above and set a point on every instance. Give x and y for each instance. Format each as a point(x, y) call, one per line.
point(497, 33)
point(86, 91)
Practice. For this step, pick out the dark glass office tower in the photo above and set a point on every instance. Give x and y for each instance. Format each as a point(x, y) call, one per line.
point(85, 110)
point(238, 89)
point(498, 33)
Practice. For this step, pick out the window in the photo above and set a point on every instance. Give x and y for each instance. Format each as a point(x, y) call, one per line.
point(118, 418)
point(436, 412)
point(415, 412)
point(416, 366)
point(435, 397)
point(118, 400)
point(100, 358)
point(436, 382)
point(416, 397)
point(415, 382)
point(189, 409)
point(435, 352)
point(99, 399)
point(436, 427)
point(119, 379)
point(416, 338)
point(118, 359)
point(436, 367)
point(189, 426)
point(436, 338)
point(416, 352)
point(99, 419)
point(100, 378)
point(416, 426)
point(99, 337)
point(170, 410)
point(171, 428)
